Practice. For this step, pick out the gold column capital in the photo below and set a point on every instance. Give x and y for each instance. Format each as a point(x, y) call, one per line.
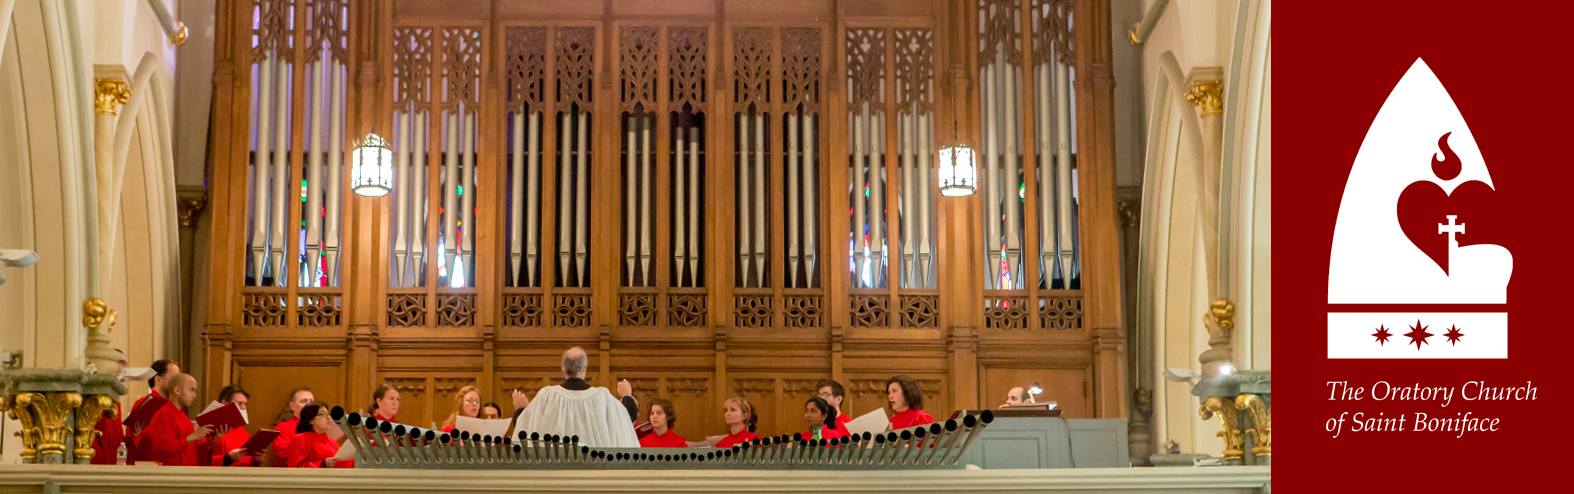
point(1261, 427)
point(1207, 95)
point(109, 94)
point(1220, 317)
point(1229, 420)
point(181, 33)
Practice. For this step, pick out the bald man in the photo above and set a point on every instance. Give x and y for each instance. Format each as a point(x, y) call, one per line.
point(574, 408)
point(170, 437)
point(1013, 397)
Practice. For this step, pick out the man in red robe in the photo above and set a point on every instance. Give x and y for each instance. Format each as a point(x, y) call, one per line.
point(299, 398)
point(834, 393)
point(164, 372)
point(226, 450)
point(170, 438)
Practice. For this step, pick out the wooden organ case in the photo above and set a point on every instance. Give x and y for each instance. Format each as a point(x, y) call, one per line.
point(712, 197)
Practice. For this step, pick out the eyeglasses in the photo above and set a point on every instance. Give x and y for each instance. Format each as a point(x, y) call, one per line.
point(472, 402)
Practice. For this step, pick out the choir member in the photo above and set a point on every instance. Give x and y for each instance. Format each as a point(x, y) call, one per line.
point(907, 402)
point(662, 418)
point(315, 441)
point(490, 410)
point(1013, 397)
point(226, 449)
point(111, 433)
point(574, 408)
point(820, 416)
point(740, 419)
point(158, 385)
point(467, 402)
point(164, 372)
point(288, 420)
point(834, 393)
point(171, 438)
point(385, 403)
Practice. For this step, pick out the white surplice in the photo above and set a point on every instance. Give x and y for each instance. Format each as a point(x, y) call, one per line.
point(599, 419)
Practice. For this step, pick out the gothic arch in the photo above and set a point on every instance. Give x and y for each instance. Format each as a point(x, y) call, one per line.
point(1173, 266)
point(45, 167)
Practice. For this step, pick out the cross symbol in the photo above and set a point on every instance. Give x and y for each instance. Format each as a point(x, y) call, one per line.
point(1451, 229)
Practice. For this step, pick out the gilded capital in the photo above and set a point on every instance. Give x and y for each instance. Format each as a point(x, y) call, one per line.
point(109, 94)
point(179, 38)
point(1207, 96)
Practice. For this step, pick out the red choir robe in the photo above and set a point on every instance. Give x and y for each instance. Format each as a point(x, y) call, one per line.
point(309, 449)
point(381, 418)
point(130, 437)
point(164, 439)
point(910, 418)
point(111, 434)
point(220, 448)
point(841, 421)
point(669, 440)
point(281, 444)
point(741, 437)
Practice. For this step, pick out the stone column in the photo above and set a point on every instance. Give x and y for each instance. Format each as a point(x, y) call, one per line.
point(110, 93)
point(190, 202)
point(1139, 433)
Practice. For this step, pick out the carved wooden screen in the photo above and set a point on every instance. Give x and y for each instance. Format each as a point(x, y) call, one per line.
point(550, 91)
point(662, 76)
point(1027, 168)
point(298, 70)
point(777, 134)
point(892, 244)
point(436, 115)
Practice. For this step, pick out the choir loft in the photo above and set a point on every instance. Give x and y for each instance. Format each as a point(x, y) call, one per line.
point(715, 197)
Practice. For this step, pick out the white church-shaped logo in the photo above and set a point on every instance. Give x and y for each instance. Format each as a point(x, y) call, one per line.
point(1413, 239)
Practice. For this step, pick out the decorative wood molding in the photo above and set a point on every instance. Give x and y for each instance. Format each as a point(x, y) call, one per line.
point(637, 64)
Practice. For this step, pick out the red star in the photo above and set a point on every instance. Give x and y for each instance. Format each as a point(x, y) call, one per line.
point(1453, 334)
point(1418, 334)
point(1381, 334)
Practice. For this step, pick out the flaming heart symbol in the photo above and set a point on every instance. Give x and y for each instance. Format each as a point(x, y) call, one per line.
point(1424, 210)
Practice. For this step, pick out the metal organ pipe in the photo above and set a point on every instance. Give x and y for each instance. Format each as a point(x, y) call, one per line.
point(925, 194)
point(260, 168)
point(746, 233)
point(582, 213)
point(313, 175)
point(648, 200)
point(281, 174)
point(680, 199)
point(450, 176)
point(532, 188)
point(335, 159)
point(810, 198)
point(516, 198)
point(692, 225)
point(564, 200)
point(761, 199)
point(418, 205)
point(1063, 165)
point(792, 195)
point(467, 198)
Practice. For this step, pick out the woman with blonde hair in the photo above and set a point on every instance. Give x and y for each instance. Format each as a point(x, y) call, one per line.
point(740, 419)
point(467, 402)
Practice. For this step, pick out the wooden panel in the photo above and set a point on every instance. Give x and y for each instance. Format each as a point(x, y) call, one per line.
point(1066, 387)
point(553, 9)
point(270, 383)
point(441, 9)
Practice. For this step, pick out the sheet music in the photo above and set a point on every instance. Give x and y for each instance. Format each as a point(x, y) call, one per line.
point(490, 427)
point(872, 422)
point(346, 451)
